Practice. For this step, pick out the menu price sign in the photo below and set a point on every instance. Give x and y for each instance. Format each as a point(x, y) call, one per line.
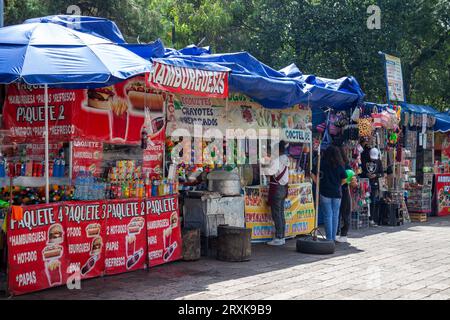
point(87, 156)
point(394, 78)
point(86, 234)
point(126, 249)
point(154, 154)
point(163, 230)
point(37, 248)
point(443, 194)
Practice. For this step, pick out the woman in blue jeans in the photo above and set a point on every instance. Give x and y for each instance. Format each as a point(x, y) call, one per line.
point(332, 177)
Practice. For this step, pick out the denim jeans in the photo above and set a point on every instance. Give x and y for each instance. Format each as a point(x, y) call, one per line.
point(330, 210)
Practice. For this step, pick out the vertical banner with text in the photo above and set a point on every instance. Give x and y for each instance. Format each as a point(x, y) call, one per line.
point(86, 235)
point(37, 250)
point(163, 230)
point(126, 248)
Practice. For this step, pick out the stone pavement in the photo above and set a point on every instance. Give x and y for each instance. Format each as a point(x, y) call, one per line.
point(385, 263)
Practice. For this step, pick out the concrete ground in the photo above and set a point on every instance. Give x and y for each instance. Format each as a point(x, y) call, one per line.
point(385, 263)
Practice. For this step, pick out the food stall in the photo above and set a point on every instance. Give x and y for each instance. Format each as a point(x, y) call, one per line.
point(81, 168)
point(110, 211)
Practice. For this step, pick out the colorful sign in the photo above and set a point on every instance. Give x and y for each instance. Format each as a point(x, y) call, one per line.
point(54, 244)
point(443, 194)
point(299, 212)
point(86, 237)
point(37, 250)
point(126, 248)
point(394, 78)
point(87, 156)
point(153, 155)
point(195, 82)
point(113, 114)
point(163, 230)
point(239, 112)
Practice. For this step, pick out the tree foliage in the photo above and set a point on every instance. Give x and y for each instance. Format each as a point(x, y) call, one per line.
point(329, 38)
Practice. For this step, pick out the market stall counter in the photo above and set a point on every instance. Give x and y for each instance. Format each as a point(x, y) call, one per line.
point(57, 244)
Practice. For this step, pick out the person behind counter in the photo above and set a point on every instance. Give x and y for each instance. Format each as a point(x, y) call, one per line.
point(332, 177)
point(278, 192)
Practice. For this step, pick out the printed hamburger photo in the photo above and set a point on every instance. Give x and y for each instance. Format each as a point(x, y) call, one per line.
point(97, 245)
point(100, 98)
point(141, 97)
point(55, 234)
point(52, 252)
point(93, 230)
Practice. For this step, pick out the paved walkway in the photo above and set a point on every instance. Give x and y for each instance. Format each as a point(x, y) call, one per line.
point(410, 262)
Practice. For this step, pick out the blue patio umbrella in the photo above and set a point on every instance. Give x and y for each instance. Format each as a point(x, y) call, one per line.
point(55, 56)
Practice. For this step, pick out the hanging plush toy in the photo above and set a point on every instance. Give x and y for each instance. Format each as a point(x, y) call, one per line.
point(393, 138)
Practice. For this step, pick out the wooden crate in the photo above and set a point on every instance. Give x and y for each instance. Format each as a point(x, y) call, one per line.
point(418, 217)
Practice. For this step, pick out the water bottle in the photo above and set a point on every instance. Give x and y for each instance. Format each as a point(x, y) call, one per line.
point(2, 167)
point(62, 168)
point(56, 168)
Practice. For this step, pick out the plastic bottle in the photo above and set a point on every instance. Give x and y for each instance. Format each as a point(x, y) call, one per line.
point(56, 165)
point(154, 188)
point(62, 166)
point(148, 187)
point(2, 166)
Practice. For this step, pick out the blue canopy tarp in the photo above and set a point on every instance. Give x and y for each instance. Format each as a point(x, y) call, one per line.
point(442, 122)
point(98, 27)
point(47, 53)
point(419, 109)
point(276, 89)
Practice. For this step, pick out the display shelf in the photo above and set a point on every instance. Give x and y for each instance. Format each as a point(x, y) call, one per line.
point(33, 182)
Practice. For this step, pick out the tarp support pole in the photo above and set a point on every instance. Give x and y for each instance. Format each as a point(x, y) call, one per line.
point(70, 162)
point(47, 171)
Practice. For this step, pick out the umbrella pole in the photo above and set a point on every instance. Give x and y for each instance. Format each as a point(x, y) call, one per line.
point(47, 171)
point(318, 186)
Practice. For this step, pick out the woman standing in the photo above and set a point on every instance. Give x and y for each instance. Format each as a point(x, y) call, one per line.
point(332, 177)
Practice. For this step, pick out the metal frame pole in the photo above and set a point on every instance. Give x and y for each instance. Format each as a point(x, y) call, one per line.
point(47, 171)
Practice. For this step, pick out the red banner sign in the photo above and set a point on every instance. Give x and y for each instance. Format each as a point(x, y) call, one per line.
point(443, 194)
point(54, 244)
point(37, 250)
point(164, 231)
point(153, 155)
point(24, 112)
point(188, 81)
point(126, 249)
point(86, 237)
point(87, 156)
point(114, 114)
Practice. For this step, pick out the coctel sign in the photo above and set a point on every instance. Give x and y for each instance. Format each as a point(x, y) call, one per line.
point(296, 136)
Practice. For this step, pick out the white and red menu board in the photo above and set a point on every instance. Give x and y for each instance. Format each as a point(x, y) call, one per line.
point(86, 238)
point(37, 250)
point(54, 243)
point(126, 249)
point(87, 156)
point(164, 230)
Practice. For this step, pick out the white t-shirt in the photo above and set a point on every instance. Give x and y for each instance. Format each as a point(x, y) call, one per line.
point(276, 168)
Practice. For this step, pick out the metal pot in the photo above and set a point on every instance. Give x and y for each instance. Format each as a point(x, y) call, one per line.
point(225, 183)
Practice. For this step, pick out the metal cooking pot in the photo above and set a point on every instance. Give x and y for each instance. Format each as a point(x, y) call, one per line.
point(224, 182)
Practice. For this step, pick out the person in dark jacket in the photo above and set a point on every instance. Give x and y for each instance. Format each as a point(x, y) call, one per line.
point(346, 204)
point(372, 168)
point(332, 176)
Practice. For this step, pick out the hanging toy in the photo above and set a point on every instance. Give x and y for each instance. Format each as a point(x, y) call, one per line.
point(350, 175)
point(393, 138)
